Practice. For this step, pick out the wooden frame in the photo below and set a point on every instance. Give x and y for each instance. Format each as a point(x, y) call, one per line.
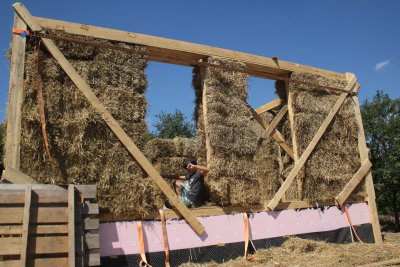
point(17, 64)
point(181, 53)
point(48, 219)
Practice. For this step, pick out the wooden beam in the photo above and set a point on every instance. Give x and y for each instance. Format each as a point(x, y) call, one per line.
point(277, 136)
point(71, 225)
point(307, 152)
point(17, 177)
point(185, 50)
point(25, 226)
point(14, 215)
point(43, 245)
point(204, 88)
point(271, 127)
point(362, 147)
point(17, 64)
point(215, 210)
point(112, 123)
point(35, 229)
point(352, 184)
point(294, 139)
point(269, 106)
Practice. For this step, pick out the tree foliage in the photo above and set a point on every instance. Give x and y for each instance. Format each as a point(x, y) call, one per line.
point(170, 125)
point(381, 118)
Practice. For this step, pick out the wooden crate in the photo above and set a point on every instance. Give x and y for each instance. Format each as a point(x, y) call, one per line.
point(48, 225)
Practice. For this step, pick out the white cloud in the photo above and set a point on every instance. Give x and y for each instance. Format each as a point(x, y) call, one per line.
point(382, 64)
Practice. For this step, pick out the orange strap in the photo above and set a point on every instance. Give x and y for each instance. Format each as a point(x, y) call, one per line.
point(246, 234)
point(351, 224)
point(41, 104)
point(143, 262)
point(20, 31)
point(165, 237)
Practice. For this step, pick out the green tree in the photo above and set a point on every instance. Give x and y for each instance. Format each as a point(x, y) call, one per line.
point(170, 125)
point(381, 118)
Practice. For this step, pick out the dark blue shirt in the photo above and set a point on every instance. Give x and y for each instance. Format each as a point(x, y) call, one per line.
point(198, 192)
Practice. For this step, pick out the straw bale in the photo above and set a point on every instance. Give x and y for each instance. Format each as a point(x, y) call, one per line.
point(335, 159)
point(82, 146)
point(241, 163)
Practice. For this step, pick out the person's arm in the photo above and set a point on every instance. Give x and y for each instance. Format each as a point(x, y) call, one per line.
point(203, 170)
point(174, 176)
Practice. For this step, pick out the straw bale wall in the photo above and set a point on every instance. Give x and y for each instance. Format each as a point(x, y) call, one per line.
point(336, 158)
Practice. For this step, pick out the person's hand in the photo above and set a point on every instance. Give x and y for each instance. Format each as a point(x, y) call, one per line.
point(190, 165)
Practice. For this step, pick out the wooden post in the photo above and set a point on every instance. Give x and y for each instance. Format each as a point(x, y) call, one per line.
point(17, 64)
point(112, 123)
point(71, 225)
point(300, 178)
point(203, 74)
point(362, 146)
point(307, 152)
point(25, 226)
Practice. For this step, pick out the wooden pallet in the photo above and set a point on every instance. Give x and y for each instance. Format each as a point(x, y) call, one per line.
point(48, 225)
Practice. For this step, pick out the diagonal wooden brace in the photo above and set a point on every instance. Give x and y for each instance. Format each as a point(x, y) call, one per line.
point(270, 105)
point(271, 127)
point(111, 122)
point(278, 137)
point(307, 152)
point(352, 184)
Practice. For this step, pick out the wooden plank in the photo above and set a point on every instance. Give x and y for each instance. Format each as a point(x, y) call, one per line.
point(278, 137)
point(38, 245)
point(17, 63)
point(294, 139)
point(15, 194)
point(215, 210)
point(16, 177)
point(185, 50)
point(271, 127)
point(352, 184)
point(12, 215)
point(307, 152)
point(111, 122)
point(25, 226)
point(48, 262)
point(94, 259)
point(88, 191)
point(269, 106)
point(34, 229)
point(209, 150)
point(71, 225)
point(92, 240)
point(90, 208)
point(91, 224)
point(362, 147)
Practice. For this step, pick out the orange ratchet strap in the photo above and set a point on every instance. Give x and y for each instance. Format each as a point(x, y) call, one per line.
point(351, 224)
point(143, 262)
point(246, 234)
point(165, 237)
point(41, 103)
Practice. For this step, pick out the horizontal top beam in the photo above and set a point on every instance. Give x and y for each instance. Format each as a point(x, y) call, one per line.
point(185, 53)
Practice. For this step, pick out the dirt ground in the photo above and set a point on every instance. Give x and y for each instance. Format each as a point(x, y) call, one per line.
point(301, 252)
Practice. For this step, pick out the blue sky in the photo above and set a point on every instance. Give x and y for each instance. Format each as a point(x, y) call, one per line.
point(360, 36)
